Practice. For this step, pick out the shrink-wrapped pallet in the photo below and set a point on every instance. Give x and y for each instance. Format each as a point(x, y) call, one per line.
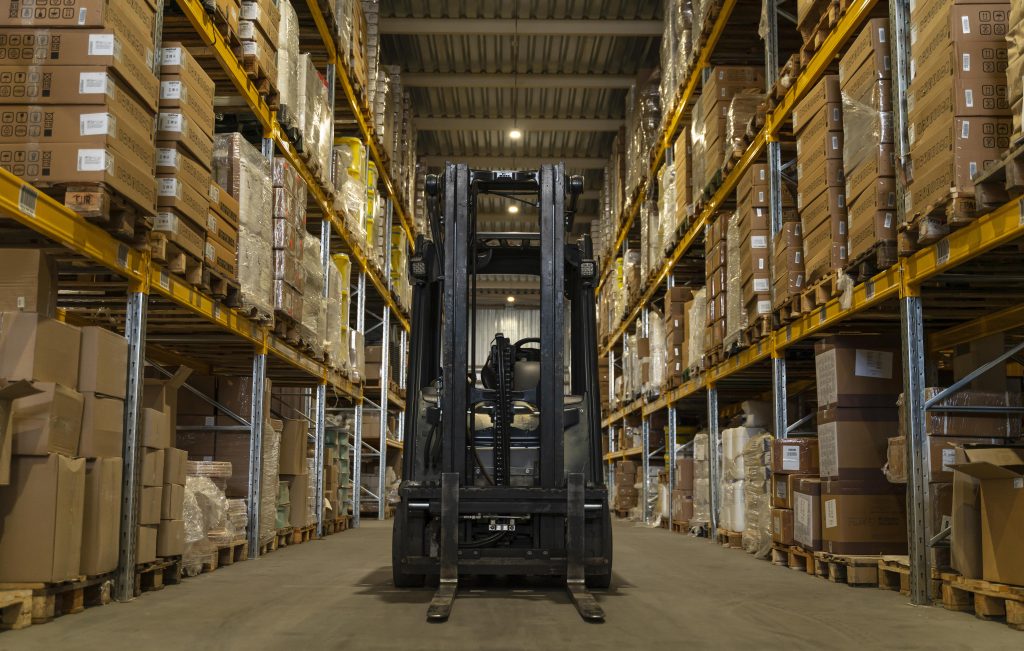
point(269, 466)
point(313, 302)
point(287, 63)
point(757, 534)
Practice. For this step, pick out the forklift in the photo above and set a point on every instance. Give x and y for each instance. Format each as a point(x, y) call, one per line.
point(502, 473)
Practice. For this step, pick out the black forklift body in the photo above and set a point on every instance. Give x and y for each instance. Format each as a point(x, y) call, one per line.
point(502, 473)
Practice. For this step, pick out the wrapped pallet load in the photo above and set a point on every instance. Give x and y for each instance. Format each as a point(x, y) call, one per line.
point(701, 480)
point(313, 324)
point(287, 66)
point(757, 535)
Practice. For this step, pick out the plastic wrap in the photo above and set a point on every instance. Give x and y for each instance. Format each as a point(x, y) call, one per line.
point(204, 511)
point(287, 62)
point(238, 518)
point(1015, 65)
point(864, 128)
point(698, 148)
point(695, 326)
point(314, 308)
point(357, 355)
point(245, 172)
point(940, 423)
point(701, 478)
point(315, 117)
point(757, 534)
point(735, 315)
point(659, 358)
point(743, 106)
point(333, 342)
point(269, 466)
point(311, 491)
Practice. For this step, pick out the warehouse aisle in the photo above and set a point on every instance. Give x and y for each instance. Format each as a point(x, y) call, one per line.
point(336, 594)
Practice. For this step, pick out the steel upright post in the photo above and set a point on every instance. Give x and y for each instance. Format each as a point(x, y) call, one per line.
point(256, 421)
point(918, 534)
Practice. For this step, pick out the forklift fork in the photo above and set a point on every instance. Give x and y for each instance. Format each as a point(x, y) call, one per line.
point(441, 605)
point(575, 543)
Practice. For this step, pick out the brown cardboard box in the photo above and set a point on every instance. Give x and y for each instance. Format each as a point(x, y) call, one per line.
point(41, 519)
point(172, 500)
point(75, 13)
point(8, 394)
point(939, 423)
point(856, 372)
point(174, 194)
point(181, 231)
point(942, 457)
point(298, 491)
point(974, 95)
point(177, 62)
point(853, 442)
point(825, 93)
point(224, 204)
point(825, 248)
point(28, 281)
point(972, 355)
point(150, 502)
point(174, 467)
point(170, 538)
point(173, 160)
point(682, 507)
point(156, 433)
point(265, 15)
point(998, 471)
point(152, 467)
point(177, 126)
point(871, 47)
point(795, 455)
point(101, 516)
point(829, 205)
point(55, 163)
point(221, 257)
point(33, 347)
point(103, 362)
point(684, 475)
point(782, 526)
point(967, 21)
point(145, 544)
point(868, 228)
point(783, 487)
point(807, 514)
point(48, 422)
point(176, 94)
point(293, 447)
point(220, 229)
point(863, 518)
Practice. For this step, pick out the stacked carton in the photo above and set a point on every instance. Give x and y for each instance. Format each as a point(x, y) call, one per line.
point(678, 303)
point(716, 133)
point(857, 381)
point(865, 79)
point(701, 479)
point(161, 497)
point(61, 420)
point(221, 252)
point(80, 101)
point(788, 263)
point(1015, 66)
point(682, 493)
point(627, 475)
point(184, 153)
point(716, 276)
point(793, 460)
point(821, 195)
point(294, 469)
point(258, 26)
point(336, 471)
point(313, 326)
point(289, 238)
point(958, 114)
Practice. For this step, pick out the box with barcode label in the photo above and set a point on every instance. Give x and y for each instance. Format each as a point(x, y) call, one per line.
point(179, 127)
point(795, 455)
point(863, 517)
point(857, 371)
point(76, 13)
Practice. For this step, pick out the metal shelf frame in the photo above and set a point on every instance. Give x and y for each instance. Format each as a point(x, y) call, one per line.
point(902, 284)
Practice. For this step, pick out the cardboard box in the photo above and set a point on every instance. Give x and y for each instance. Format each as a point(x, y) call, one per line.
point(75, 13)
point(176, 94)
point(28, 281)
point(152, 467)
point(863, 518)
point(825, 92)
point(293, 447)
point(684, 475)
point(34, 347)
point(783, 488)
point(170, 538)
point(871, 47)
point(782, 526)
point(852, 447)
point(967, 21)
point(965, 539)
point(103, 362)
point(999, 473)
point(825, 248)
point(179, 127)
point(856, 372)
point(298, 489)
point(221, 258)
point(41, 519)
point(145, 544)
point(172, 501)
point(178, 63)
point(156, 433)
point(173, 160)
point(101, 516)
point(220, 229)
point(973, 95)
point(682, 507)
point(8, 394)
point(174, 194)
point(940, 423)
point(150, 503)
point(175, 462)
point(56, 163)
point(224, 204)
point(116, 47)
point(48, 422)
point(181, 231)
point(807, 514)
point(795, 455)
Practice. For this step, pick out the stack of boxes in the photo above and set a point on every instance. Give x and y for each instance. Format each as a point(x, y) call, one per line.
point(865, 79)
point(678, 303)
point(161, 497)
point(81, 98)
point(61, 423)
point(793, 460)
point(289, 237)
point(957, 108)
point(221, 250)
point(336, 472)
point(682, 493)
point(258, 26)
point(821, 192)
point(294, 469)
point(710, 145)
point(857, 382)
point(184, 152)
point(715, 268)
point(314, 309)
point(626, 480)
point(1015, 66)
point(788, 263)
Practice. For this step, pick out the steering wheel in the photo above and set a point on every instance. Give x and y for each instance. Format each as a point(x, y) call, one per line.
point(531, 355)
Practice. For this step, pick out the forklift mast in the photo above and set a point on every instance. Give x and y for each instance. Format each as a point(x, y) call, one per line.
point(502, 472)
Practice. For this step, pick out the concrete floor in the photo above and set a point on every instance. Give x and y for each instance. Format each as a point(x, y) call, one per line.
point(668, 590)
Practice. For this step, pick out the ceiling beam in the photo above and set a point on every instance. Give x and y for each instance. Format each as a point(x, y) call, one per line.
point(511, 27)
point(526, 124)
point(499, 80)
point(510, 162)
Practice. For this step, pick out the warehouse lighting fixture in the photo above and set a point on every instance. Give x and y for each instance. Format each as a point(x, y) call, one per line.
point(511, 299)
point(513, 209)
point(515, 134)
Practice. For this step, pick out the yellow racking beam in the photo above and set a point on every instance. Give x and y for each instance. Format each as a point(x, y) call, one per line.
point(670, 132)
point(622, 454)
point(990, 324)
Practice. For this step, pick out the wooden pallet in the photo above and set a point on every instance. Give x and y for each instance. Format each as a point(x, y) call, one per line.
point(220, 21)
point(1002, 181)
point(336, 525)
point(819, 23)
point(789, 310)
point(987, 600)
point(15, 609)
point(879, 257)
point(818, 293)
point(154, 576)
point(220, 288)
point(103, 206)
point(787, 77)
point(283, 537)
point(680, 526)
point(304, 534)
point(732, 539)
point(894, 574)
point(622, 514)
point(936, 221)
point(232, 553)
point(850, 569)
point(176, 260)
point(794, 557)
point(269, 545)
point(49, 600)
point(758, 330)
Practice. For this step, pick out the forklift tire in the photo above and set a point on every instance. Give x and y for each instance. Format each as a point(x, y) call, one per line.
point(598, 581)
point(602, 581)
point(399, 578)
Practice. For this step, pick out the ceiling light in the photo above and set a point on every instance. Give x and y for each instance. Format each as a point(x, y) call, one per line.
point(511, 299)
point(515, 134)
point(513, 209)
